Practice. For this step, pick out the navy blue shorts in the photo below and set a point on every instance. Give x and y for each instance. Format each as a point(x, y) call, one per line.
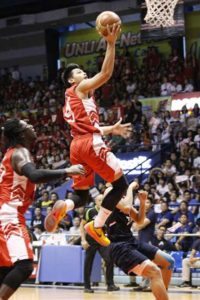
point(129, 254)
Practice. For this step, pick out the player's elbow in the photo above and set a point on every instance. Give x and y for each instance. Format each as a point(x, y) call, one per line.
point(34, 177)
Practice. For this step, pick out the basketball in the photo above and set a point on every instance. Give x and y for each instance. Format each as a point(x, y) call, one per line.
point(106, 18)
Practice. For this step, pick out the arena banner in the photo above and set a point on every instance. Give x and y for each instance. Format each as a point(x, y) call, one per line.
point(82, 46)
point(192, 33)
point(134, 164)
point(149, 105)
point(185, 99)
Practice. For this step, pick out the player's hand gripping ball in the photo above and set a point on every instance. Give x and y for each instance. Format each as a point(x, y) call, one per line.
point(104, 19)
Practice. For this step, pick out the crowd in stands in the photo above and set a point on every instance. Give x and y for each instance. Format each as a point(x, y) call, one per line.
point(173, 187)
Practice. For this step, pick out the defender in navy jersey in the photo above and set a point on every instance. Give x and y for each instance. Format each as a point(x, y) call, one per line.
point(134, 257)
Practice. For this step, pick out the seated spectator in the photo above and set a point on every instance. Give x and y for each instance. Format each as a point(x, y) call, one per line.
point(197, 138)
point(164, 218)
point(45, 201)
point(191, 201)
point(188, 86)
point(162, 187)
point(190, 262)
point(196, 158)
point(196, 229)
point(54, 197)
point(160, 241)
point(176, 87)
point(192, 123)
point(74, 232)
point(169, 169)
point(173, 202)
point(38, 218)
point(183, 209)
point(183, 243)
point(166, 86)
point(37, 232)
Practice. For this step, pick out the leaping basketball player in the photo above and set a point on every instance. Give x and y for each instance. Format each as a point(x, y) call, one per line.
point(87, 147)
point(18, 176)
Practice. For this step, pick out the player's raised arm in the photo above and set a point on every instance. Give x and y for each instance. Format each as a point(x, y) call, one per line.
point(23, 165)
point(104, 75)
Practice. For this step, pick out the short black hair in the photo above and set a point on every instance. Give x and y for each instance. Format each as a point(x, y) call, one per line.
point(67, 73)
point(12, 130)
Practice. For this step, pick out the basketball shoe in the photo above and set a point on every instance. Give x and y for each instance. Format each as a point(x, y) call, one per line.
point(55, 216)
point(97, 234)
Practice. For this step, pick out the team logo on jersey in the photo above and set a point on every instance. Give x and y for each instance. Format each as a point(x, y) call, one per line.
point(12, 229)
point(94, 118)
point(103, 153)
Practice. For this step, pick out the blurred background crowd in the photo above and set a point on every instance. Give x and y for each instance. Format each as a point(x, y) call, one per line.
point(173, 186)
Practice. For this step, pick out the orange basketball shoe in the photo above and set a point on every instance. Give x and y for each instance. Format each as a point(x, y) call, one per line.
point(97, 234)
point(55, 216)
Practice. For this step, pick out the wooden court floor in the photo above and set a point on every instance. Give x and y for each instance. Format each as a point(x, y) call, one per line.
point(63, 293)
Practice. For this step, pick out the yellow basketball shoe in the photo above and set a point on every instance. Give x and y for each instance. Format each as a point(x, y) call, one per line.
point(55, 216)
point(97, 234)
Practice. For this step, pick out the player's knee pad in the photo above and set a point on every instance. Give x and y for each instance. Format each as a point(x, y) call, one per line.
point(168, 258)
point(80, 198)
point(20, 272)
point(114, 196)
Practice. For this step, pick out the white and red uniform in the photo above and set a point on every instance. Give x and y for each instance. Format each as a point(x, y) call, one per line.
point(16, 194)
point(87, 147)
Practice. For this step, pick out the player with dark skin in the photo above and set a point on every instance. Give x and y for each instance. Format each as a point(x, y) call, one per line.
point(18, 176)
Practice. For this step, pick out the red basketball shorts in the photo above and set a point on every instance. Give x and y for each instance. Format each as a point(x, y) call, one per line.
point(90, 151)
point(14, 242)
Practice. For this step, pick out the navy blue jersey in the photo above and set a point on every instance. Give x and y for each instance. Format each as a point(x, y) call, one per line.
point(119, 226)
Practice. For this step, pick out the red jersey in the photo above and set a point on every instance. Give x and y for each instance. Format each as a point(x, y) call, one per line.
point(81, 114)
point(16, 192)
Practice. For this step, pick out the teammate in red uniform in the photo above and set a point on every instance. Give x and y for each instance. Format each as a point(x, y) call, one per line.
point(18, 176)
point(87, 146)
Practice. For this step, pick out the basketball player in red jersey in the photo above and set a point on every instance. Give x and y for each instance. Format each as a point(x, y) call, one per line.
point(18, 176)
point(87, 146)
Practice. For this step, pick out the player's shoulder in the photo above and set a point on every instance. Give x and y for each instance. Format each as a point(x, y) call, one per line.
point(20, 151)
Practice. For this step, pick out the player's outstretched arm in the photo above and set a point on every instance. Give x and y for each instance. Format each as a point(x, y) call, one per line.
point(23, 165)
point(126, 202)
point(104, 75)
point(139, 216)
point(124, 130)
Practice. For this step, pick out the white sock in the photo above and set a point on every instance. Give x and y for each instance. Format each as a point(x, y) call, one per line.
point(70, 204)
point(102, 216)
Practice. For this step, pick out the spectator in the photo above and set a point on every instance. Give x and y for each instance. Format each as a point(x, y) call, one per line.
point(196, 158)
point(164, 218)
point(169, 169)
point(190, 262)
point(188, 86)
point(160, 241)
point(146, 230)
point(162, 187)
point(183, 210)
point(38, 218)
point(183, 243)
point(197, 138)
point(74, 232)
point(37, 232)
point(45, 201)
point(166, 87)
